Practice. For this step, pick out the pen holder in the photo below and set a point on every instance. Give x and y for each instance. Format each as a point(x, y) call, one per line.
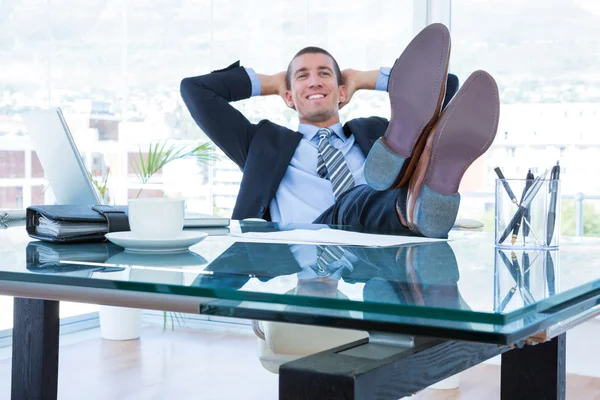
point(524, 276)
point(535, 225)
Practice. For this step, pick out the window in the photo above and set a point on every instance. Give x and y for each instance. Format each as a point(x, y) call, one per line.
point(544, 57)
point(114, 68)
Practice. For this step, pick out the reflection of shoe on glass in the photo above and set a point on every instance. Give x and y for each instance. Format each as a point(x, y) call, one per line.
point(416, 88)
point(465, 130)
point(419, 271)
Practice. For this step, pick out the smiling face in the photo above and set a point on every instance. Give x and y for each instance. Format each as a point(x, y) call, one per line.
point(314, 89)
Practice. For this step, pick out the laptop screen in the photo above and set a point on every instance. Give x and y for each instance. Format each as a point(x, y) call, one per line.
point(62, 163)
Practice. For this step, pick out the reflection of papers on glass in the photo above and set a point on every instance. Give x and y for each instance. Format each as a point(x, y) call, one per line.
point(10, 218)
point(74, 260)
point(12, 215)
point(331, 236)
point(88, 254)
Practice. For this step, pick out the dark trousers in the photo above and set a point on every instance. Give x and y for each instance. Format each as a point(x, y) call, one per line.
point(369, 208)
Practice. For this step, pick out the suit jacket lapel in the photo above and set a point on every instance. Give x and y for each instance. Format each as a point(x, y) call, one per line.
point(366, 131)
point(269, 156)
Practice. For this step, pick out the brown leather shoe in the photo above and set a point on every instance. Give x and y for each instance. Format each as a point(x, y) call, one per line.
point(416, 87)
point(465, 130)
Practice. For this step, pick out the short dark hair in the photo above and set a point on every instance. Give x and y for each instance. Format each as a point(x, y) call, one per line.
point(312, 50)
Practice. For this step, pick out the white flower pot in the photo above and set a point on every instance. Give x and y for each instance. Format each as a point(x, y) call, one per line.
point(119, 323)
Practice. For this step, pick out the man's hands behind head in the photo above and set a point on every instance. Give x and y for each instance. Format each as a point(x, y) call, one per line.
point(353, 80)
point(273, 85)
point(356, 80)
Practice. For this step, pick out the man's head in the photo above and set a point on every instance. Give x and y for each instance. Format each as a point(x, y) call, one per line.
point(315, 87)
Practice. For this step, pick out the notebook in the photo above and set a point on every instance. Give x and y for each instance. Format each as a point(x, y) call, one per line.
point(64, 168)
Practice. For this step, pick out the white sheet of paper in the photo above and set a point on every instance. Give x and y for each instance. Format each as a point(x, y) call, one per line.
point(331, 237)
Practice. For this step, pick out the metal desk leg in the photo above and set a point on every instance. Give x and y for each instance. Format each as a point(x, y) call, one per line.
point(35, 349)
point(535, 372)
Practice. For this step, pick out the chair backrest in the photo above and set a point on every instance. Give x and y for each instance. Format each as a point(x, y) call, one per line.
point(451, 89)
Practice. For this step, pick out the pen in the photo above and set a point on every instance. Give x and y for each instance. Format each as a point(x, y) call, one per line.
point(526, 266)
point(527, 213)
point(516, 230)
point(509, 191)
point(523, 286)
point(509, 265)
point(512, 264)
point(554, 175)
point(514, 261)
point(535, 187)
point(526, 296)
point(515, 234)
point(550, 274)
point(507, 298)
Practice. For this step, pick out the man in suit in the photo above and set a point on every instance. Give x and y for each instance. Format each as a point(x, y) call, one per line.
point(400, 175)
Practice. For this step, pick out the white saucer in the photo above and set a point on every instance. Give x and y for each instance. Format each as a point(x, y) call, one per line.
point(185, 258)
point(135, 244)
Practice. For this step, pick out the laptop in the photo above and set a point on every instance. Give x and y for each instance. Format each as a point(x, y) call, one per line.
point(66, 172)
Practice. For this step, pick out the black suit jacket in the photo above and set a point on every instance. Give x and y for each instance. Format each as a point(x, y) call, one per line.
point(263, 151)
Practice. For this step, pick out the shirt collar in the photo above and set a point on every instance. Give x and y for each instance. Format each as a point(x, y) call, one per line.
point(309, 131)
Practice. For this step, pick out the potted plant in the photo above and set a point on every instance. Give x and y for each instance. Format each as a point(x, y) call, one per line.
point(159, 155)
point(127, 322)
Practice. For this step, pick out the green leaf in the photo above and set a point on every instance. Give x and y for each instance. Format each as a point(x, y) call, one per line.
point(160, 155)
point(101, 187)
point(172, 317)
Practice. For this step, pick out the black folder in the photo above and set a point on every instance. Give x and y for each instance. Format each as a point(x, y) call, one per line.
point(75, 223)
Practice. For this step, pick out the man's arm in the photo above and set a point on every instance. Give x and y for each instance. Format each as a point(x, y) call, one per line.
point(207, 97)
point(272, 84)
point(364, 80)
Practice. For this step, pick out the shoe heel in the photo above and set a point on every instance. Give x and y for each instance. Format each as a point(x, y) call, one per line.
point(383, 166)
point(435, 213)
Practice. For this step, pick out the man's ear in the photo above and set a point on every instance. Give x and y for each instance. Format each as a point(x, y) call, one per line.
point(289, 100)
point(343, 93)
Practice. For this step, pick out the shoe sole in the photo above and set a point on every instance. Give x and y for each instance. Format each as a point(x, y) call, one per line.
point(417, 87)
point(463, 133)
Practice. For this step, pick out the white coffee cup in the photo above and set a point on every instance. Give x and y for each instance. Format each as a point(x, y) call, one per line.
point(156, 218)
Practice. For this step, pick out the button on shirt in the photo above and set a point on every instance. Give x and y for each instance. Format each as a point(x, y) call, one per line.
point(302, 195)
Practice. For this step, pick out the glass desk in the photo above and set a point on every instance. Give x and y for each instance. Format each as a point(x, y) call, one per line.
point(458, 302)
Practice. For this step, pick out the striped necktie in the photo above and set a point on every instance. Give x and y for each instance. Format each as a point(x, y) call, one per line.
point(327, 255)
point(332, 160)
